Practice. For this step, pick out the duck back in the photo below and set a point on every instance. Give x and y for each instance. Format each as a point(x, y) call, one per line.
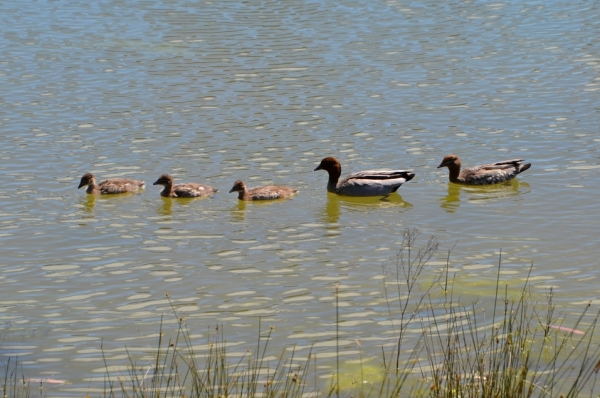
point(372, 182)
point(192, 190)
point(116, 185)
point(493, 173)
point(269, 192)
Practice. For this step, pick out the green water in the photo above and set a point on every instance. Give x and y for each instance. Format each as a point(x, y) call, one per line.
point(212, 92)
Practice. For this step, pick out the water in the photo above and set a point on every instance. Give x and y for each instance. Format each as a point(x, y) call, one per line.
point(212, 92)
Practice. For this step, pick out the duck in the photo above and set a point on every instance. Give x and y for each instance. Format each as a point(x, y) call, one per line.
point(110, 186)
point(491, 173)
point(266, 192)
point(363, 183)
point(187, 190)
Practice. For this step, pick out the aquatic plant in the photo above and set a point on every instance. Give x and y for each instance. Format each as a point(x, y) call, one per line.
point(179, 371)
point(14, 382)
point(525, 349)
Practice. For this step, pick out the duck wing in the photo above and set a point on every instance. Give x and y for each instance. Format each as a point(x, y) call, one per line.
point(373, 182)
point(192, 190)
point(503, 163)
point(381, 175)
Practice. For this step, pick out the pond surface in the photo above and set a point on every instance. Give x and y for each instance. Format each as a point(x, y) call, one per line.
point(212, 92)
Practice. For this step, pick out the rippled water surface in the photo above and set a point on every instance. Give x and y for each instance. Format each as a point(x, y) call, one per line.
point(213, 92)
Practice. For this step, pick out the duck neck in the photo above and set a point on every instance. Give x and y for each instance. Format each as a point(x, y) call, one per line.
point(334, 176)
point(454, 172)
point(167, 191)
point(242, 194)
point(92, 187)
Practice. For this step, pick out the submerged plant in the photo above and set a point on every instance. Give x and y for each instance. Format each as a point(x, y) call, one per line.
point(522, 351)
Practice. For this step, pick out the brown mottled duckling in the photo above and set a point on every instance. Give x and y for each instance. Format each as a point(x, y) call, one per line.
point(492, 173)
point(266, 192)
point(110, 186)
point(188, 190)
point(363, 183)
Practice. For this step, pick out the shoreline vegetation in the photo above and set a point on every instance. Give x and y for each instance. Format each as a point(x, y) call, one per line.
point(442, 348)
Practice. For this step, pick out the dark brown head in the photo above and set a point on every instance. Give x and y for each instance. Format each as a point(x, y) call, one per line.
point(86, 180)
point(238, 186)
point(450, 161)
point(164, 180)
point(330, 164)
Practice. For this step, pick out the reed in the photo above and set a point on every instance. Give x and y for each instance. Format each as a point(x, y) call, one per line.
point(14, 382)
point(178, 371)
point(524, 351)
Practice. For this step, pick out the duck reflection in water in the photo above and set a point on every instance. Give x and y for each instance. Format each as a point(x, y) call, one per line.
point(238, 211)
point(332, 211)
point(88, 202)
point(166, 209)
point(481, 193)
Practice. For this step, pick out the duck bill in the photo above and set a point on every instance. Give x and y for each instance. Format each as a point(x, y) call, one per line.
point(81, 184)
point(318, 168)
point(441, 165)
point(231, 190)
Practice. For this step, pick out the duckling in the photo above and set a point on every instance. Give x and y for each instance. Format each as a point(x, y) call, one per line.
point(110, 186)
point(491, 173)
point(188, 190)
point(363, 183)
point(266, 192)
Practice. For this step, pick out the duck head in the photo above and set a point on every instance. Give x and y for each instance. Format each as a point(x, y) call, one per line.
point(164, 180)
point(86, 179)
point(238, 186)
point(329, 164)
point(450, 161)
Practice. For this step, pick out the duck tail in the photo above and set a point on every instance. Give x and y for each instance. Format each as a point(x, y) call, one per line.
point(524, 167)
